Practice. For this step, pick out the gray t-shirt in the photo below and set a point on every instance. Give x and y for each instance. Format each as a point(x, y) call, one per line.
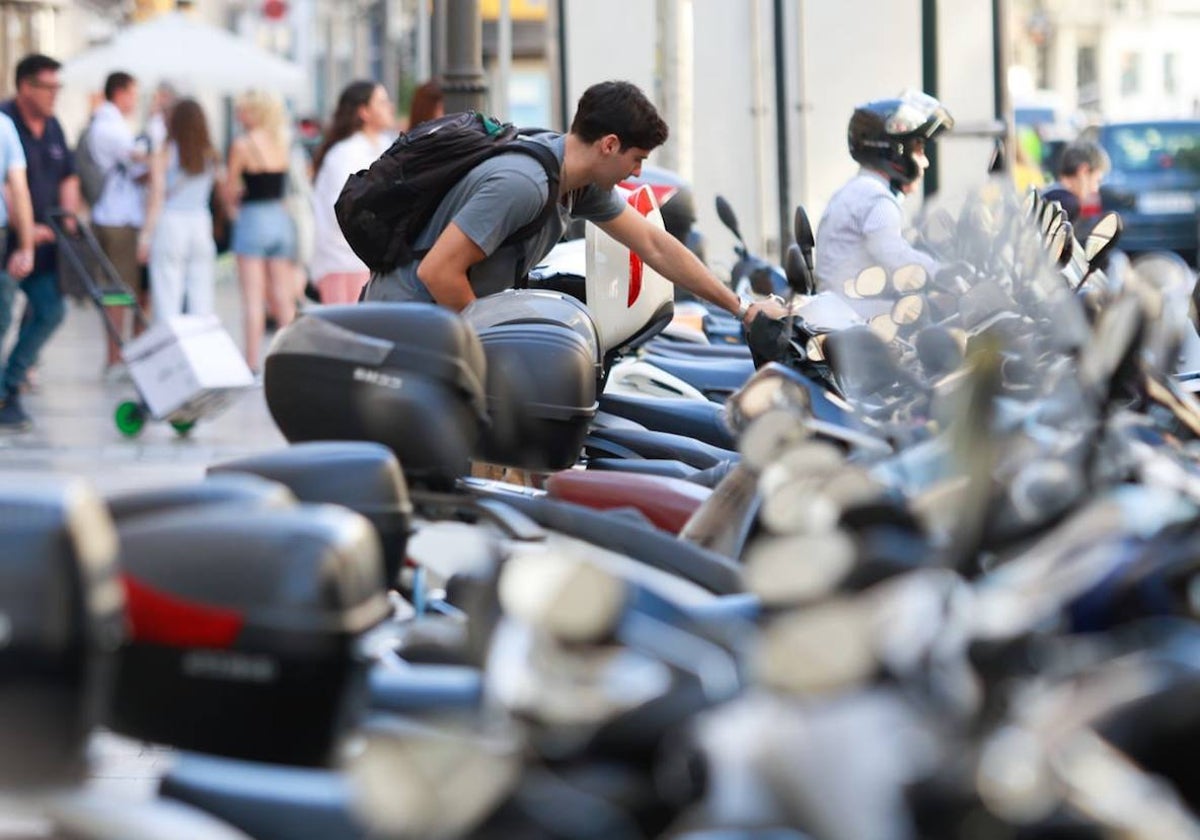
point(490, 203)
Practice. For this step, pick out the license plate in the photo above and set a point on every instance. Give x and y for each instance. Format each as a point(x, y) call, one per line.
point(1167, 202)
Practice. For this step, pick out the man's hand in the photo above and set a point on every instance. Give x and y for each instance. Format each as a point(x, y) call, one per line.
point(20, 263)
point(42, 234)
point(772, 307)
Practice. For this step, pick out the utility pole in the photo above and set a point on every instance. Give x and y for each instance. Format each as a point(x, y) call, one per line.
point(463, 81)
point(675, 36)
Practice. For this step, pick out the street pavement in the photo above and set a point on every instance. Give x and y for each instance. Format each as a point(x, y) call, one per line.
point(74, 435)
point(72, 408)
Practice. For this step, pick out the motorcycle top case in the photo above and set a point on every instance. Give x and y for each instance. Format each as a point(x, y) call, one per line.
point(245, 630)
point(247, 492)
point(407, 375)
point(61, 621)
point(362, 476)
point(544, 364)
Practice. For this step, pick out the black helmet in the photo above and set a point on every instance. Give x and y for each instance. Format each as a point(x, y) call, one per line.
point(881, 132)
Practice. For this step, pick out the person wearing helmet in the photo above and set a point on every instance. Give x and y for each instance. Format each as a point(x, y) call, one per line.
point(861, 226)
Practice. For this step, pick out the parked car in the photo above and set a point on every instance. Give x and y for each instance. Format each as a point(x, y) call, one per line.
point(1154, 183)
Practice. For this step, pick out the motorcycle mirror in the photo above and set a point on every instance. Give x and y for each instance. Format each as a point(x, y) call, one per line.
point(1050, 210)
point(871, 282)
point(909, 278)
point(884, 327)
point(909, 311)
point(1102, 239)
point(414, 780)
point(803, 232)
point(571, 600)
point(1063, 244)
point(728, 218)
point(834, 640)
point(774, 575)
point(1113, 347)
point(799, 276)
point(1031, 204)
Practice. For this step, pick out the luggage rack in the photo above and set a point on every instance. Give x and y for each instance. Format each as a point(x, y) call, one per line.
point(87, 259)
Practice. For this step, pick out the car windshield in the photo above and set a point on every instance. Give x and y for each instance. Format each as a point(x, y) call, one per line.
point(1149, 147)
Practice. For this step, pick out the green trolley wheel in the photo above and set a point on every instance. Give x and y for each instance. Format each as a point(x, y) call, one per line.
point(183, 427)
point(130, 418)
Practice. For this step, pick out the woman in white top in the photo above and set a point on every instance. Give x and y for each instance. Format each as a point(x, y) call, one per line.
point(359, 133)
point(177, 238)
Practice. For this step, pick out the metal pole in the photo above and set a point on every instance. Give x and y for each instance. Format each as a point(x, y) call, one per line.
point(675, 70)
point(782, 149)
point(1000, 62)
point(463, 81)
point(929, 72)
point(503, 59)
point(437, 45)
point(424, 48)
point(556, 56)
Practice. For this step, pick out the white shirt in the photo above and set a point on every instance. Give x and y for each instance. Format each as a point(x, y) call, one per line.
point(861, 228)
point(331, 254)
point(123, 201)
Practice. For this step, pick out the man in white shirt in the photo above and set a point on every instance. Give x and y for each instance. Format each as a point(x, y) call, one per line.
point(118, 215)
point(862, 224)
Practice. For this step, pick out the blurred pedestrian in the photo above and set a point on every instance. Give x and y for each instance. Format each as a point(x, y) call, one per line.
point(428, 103)
point(118, 215)
point(264, 238)
point(177, 239)
point(1081, 167)
point(358, 133)
point(164, 99)
point(50, 171)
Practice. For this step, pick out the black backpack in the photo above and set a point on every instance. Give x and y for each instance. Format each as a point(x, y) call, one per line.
point(382, 209)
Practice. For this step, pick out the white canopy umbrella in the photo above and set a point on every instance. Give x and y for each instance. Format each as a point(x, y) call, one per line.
point(188, 53)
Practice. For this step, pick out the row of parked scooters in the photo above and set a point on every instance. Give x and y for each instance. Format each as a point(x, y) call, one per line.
point(924, 570)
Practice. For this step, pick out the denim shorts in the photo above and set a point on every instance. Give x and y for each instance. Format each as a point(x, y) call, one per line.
point(264, 229)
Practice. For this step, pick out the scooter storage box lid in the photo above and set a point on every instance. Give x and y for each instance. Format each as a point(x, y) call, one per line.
point(244, 630)
point(543, 365)
point(245, 491)
point(362, 476)
point(61, 620)
point(407, 375)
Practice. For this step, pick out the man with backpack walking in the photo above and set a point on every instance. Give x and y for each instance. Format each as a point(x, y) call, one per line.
point(503, 215)
point(50, 171)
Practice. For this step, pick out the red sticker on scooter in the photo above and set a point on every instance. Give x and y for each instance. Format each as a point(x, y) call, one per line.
point(641, 202)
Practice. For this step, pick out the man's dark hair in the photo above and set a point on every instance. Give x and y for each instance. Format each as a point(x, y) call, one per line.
point(619, 108)
point(1080, 152)
point(115, 83)
point(31, 65)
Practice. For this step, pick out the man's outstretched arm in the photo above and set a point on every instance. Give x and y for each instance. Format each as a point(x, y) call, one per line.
point(668, 256)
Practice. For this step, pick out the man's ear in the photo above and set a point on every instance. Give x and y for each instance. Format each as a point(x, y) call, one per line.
point(610, 144)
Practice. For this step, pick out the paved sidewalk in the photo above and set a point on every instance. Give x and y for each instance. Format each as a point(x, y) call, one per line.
point(72, 408)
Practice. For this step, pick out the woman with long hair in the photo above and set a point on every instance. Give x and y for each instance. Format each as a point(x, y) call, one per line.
point(428, 103)
point(264, 238)
point(358, 133)
point(177, 238)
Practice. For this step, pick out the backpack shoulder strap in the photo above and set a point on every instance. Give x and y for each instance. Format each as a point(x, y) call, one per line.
point(549, 161)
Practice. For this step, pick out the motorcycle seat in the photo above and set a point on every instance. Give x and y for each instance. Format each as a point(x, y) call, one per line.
point(701, 420)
